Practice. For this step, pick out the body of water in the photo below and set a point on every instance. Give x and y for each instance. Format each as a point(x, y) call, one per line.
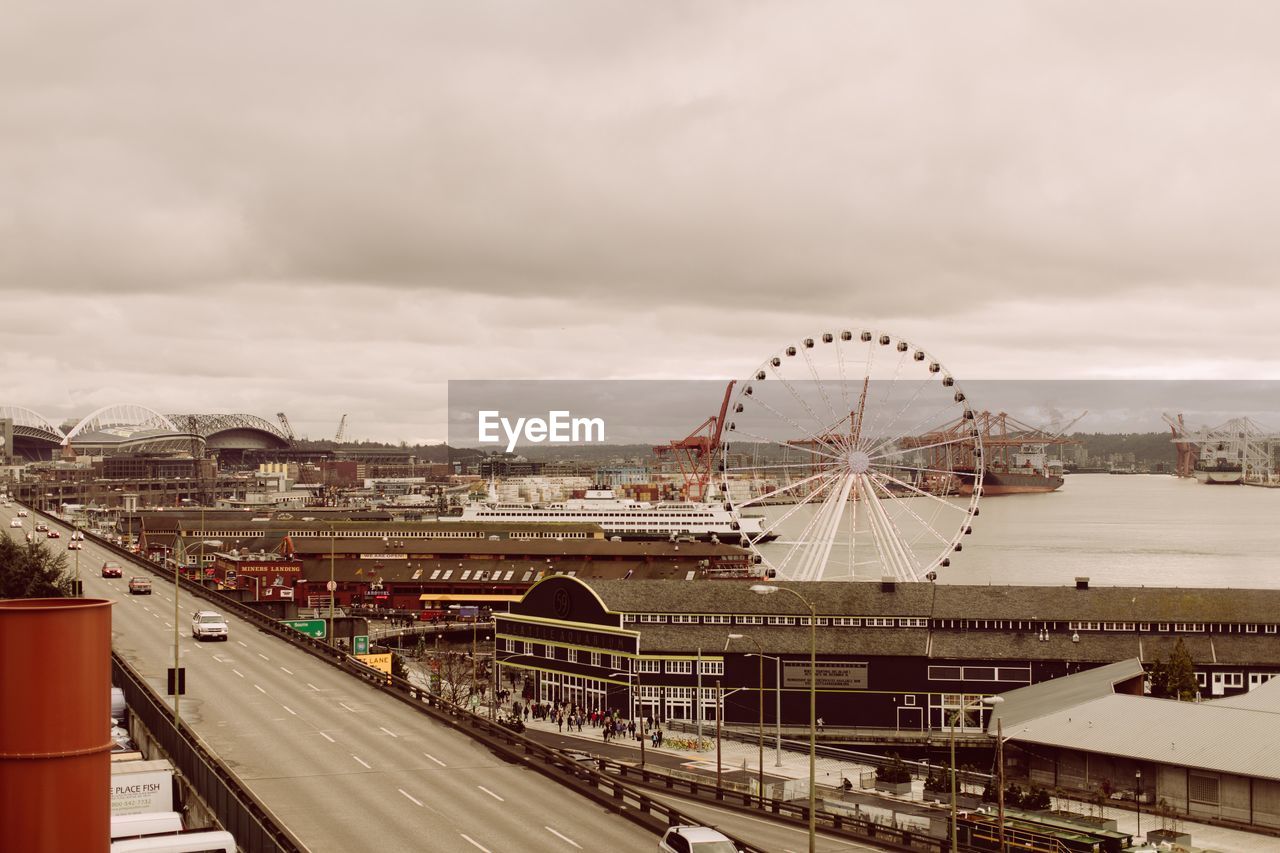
point(1133, 530)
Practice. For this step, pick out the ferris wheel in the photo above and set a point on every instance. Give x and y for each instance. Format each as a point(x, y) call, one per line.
point(852, 455)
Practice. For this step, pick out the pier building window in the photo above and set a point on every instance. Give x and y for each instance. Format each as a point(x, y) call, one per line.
point(1202, 680)
point(713, 667)
point(1020, 674)
point(846, 622)
point(571, 655)
point(684, 619)
point(946, 673)
point(880, 622)
point(1163, 626)
point(1117, 626)
point(1233, 679)
point(630, 617)
point(1144, 626)
point(595, 658)
point(652, 617)
point(615, 663)
point(1251, 629)
point(1269, 629)
point(716, 620)
point(782, 620)
point(680, 667)
point(749, 620)
point(1189, 627)
point(913, 623)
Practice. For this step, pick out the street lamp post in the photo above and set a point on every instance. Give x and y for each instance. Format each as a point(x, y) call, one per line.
point(633, 686)
point(1137, 797)
point(333, 584)
point(964, 706)
point(760, 738)
point(767, 589)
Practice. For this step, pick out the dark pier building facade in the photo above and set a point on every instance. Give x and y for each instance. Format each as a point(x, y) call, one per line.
point(890, 656)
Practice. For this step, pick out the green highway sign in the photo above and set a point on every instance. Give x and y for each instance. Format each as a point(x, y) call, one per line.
point(360, 644)
point(311, 627)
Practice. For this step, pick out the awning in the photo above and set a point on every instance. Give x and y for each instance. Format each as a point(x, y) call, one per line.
point(450, 596)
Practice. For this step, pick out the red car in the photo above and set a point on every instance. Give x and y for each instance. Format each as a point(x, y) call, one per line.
point(111, 570)
point(53, 534)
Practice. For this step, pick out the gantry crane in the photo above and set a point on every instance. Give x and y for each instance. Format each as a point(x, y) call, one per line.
point(695, 454)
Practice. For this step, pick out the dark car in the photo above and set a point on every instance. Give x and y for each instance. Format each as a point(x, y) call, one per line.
point(139, 586)
point(53, 534)
point(111, 570)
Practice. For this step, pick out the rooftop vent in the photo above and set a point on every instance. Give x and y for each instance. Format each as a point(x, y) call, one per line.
point(1082, 583)
point(888, 584)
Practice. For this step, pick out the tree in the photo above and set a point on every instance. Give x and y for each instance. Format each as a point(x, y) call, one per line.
point(893, 772)
point(32, 571)
point(1181, 674)
point(399, 668)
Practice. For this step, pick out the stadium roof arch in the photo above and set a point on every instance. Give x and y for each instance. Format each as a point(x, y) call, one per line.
point(31, 424)
point(232, 431)
point(129, 428)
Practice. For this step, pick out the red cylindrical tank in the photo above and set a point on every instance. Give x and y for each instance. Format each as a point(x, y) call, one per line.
point(55, 725)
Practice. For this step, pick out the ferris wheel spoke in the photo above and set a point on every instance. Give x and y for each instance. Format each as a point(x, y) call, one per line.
point(904, 484)
point(785, 446)
point(812, 436)
point(948, 473)
point(921, 385)
point(915, 429)
point(888, 389)
point(925, 526)
point(766, 529)
point(828, 516)
point(844, 381)
point(822, 389)
point(802, 465)
point(801, 544)
point(962, 439)
point(829, 473)
point(903, 561)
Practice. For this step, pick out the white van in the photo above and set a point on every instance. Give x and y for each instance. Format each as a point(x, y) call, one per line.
point(187, 842)
point(151, 823)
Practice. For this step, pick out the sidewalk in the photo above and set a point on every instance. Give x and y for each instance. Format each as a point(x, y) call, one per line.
point(738, 756)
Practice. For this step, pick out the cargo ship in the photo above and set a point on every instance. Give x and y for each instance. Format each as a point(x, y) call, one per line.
point(1028, 472)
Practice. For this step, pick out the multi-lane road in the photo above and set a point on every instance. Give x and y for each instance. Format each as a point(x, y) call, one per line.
point(345, 767)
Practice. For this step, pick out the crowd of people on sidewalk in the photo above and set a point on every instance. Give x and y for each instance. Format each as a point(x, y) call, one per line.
point(610, 722)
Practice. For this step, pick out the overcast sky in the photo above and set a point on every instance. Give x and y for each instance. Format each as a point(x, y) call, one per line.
point(335, 207)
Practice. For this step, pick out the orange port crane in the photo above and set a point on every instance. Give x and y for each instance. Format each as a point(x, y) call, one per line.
point(1002, 436)
point(695, 454)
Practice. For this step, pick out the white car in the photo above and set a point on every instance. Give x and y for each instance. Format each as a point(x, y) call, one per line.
point(208, 625)
point(22, 513)
point(695, 839)
point(13, 522)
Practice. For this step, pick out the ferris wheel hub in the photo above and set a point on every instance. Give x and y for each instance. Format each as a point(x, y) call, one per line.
point(859, 461)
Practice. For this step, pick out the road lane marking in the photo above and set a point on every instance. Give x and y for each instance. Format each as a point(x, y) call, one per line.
point(260, 690)
point(326, 737)
point(388, 731)
point(286, 672)
point(491, 793)
point(436, 760)
point(313, 687)
point(362, 761)
point(246, 645)
point(290, 710)
point(411, 797)
point(264, 657)
point(168, 624)
point(238, 672)
point(348, 707)
point(475, 843)
point(562, 837)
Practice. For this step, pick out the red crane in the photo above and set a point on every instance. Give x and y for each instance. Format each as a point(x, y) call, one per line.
point(695, 454)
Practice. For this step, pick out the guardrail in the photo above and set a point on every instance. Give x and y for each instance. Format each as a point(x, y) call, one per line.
point(240, 812)
point(607, 791)
point(852, 827)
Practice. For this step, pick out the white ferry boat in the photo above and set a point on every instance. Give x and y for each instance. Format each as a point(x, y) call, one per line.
point(626, 518)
